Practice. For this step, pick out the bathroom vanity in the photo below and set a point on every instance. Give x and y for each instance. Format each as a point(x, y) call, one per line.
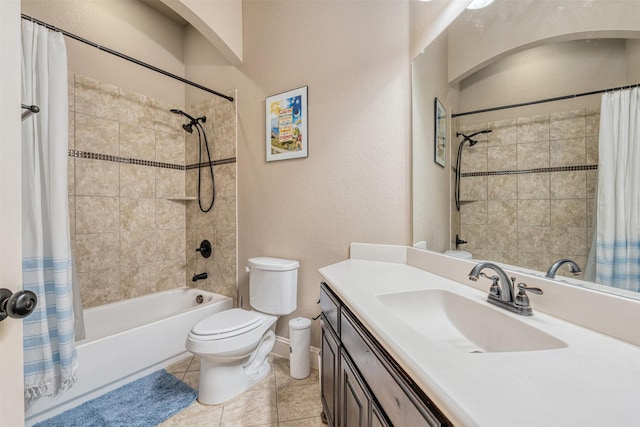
point(406, 346)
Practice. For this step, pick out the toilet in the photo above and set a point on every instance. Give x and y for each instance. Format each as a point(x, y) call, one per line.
point(234, 345)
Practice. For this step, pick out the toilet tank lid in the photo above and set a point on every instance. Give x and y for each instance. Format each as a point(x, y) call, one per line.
point(273, 264)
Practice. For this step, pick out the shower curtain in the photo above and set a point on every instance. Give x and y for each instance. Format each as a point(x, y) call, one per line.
point(618, 203)
point(50, 360)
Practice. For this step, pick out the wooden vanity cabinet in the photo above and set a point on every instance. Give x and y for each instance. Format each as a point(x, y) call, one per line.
point(361, 385)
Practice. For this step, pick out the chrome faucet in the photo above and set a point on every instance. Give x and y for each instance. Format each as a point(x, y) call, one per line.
point(551, 273)
point(501, 292)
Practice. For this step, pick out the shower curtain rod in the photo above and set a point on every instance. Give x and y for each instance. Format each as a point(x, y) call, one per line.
point(542, 101)
point(123, 56)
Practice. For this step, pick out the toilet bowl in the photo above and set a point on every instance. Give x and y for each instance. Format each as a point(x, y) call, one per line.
point(234, 345)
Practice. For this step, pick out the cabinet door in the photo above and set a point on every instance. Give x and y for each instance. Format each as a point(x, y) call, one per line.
point(377, 419)
point(354, 402)
point(330, 361)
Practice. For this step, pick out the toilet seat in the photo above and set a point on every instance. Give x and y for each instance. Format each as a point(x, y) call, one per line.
point(227, 323)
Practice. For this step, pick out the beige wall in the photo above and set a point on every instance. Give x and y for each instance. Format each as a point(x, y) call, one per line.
point(477, 37)
point(128, 26)
point(431, 182)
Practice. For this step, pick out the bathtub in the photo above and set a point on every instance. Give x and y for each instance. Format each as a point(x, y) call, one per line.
point(127, 340)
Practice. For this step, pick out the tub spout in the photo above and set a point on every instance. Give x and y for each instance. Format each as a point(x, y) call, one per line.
point(200, 276)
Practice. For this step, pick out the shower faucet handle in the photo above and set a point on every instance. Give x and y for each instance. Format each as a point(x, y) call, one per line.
point(204, 249)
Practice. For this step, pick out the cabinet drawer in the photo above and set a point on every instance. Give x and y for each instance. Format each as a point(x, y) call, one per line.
point(394, 400)
point(330, 307)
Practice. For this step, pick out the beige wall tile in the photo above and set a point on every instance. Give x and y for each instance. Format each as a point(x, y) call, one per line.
point(170, 147)
point(532, 129)
point(592, 150)
point(224, 212)
point(96, 134)
point(533, 239)
point(224, 142)
point(569, 241)
point(136, 247)
point(533, 155)
point(225, 176)
point(226, 282)
point(166, 121)
point(137, 280)
point(170, 245)
point(533, 186)
point(502, 238)
point(97, 252)
point(593, 121)
point(96, 98)
point(568, 213)
point(196, 219)
point(503, 132)
point(568, 185)
point(473, 188)
point(169, 182)
point(191, 146)
point(225, 244)
point(473, 212)
point(137, 181)
point(502, 187)
point(137, 214)
point(96, 177)
point(567, 124)
point(72, 218)
point(72, 130)
point(534, 212)
point(475, 235)
point(100, 287)
point(96, 214)
point(535, 261)
point(474, 159)
point(225, 113)
point(169, 274)
point(137, 142)
point(502, 158)
point(502, 212)
point(71, 175)
point(71, 91)
point(170, 214)
point(136, 108)
point(568, 152)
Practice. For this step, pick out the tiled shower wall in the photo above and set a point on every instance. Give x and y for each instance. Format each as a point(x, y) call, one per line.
point(127, 190)
point(528, 189)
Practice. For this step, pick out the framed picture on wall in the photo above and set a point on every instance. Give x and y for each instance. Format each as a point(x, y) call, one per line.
point(286, 120)
point(440, 133)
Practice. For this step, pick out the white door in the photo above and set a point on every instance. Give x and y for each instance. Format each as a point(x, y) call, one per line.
point(11, 383)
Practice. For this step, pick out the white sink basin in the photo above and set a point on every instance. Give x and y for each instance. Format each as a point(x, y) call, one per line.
point(464, 324)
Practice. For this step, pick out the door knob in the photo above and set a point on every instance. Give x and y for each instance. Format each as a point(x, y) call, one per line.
point(16, 305)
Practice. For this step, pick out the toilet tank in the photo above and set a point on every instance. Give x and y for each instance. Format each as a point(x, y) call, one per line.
point(273, 285)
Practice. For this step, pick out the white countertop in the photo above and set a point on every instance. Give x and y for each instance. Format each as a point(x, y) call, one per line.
point(594, 381)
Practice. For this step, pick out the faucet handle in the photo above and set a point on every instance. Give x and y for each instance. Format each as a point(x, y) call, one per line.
point(523, 287)
point(522, 299)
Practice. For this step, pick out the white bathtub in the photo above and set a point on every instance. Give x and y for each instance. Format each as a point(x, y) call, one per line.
point(127, 340)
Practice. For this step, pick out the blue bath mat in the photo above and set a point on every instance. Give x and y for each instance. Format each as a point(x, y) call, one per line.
point(142, 403)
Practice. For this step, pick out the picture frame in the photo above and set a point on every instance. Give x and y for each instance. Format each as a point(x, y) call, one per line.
point(440, 133)
point(287, 134)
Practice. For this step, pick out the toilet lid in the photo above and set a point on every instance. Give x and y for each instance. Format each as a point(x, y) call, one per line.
point(228, 323)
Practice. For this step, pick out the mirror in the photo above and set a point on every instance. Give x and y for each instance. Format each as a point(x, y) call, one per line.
point(527, 188)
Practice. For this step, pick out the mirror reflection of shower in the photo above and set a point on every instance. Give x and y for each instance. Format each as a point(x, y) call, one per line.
point(188, 127)
point(472, 142)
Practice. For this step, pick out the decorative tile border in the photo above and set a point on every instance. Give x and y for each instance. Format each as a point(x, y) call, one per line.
point(536, 170)
point(119, 159)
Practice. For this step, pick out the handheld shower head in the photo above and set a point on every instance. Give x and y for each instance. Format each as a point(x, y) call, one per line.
point(188, 127)
point(472, 142)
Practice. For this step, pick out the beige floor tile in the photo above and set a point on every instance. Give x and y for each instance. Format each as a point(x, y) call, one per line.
point(304, 422)
point(196, 415)
point(181, 366)
point(195, 364)
point(298, 402)
point(284, 379)
point(192, 379)
point(251, 408)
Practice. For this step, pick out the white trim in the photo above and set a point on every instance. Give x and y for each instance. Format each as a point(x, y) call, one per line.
point(282, 349)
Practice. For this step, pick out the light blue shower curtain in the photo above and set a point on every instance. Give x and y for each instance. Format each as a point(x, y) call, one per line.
point(618, 204)
point(50, 360)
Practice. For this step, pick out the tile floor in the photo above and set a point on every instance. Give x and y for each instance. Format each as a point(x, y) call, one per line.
point(276, 401)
